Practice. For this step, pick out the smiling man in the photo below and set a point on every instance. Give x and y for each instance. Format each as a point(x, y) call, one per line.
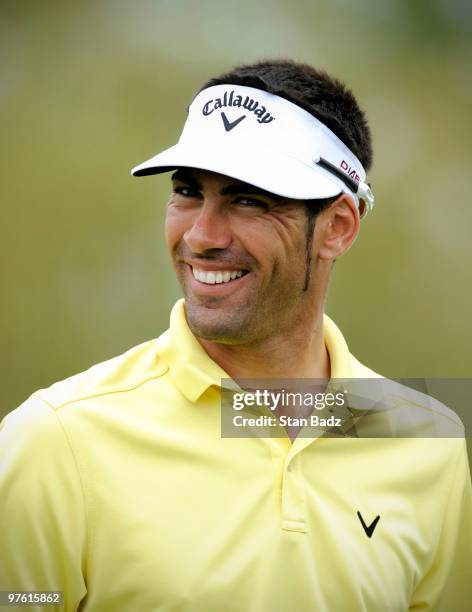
point(243, 258)
point(117, 486)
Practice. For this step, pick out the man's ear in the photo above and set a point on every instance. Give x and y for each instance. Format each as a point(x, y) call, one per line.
point(338, 227)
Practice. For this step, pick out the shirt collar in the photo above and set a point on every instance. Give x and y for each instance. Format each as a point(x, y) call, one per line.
point(340, 358)
point(194, 371)
point(191, 368)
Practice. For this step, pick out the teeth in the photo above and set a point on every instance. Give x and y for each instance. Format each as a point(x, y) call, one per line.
point(216, 277)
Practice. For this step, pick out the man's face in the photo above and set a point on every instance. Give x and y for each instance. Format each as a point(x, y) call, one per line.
point(240, 257)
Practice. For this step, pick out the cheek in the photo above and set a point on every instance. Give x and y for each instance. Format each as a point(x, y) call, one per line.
point(287, 245)
point(170, 234)
point(174, 228)
point(258, 240)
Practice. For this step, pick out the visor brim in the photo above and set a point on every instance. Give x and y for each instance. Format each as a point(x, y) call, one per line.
point(269, 170)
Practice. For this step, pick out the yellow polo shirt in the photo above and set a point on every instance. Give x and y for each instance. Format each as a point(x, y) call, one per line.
point(117, 488)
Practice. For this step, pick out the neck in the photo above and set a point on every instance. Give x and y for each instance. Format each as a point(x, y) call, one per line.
point(294, 354)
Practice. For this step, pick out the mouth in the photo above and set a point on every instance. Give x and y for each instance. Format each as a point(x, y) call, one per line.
point(216, 277)
point(214, 282)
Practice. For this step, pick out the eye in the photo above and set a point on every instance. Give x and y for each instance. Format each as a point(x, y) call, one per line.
point(186, 192)
point(252, 202)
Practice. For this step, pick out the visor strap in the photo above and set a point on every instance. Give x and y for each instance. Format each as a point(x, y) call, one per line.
point(362, 190)
point(347, 180)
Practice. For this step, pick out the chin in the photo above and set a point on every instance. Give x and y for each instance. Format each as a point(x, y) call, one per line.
point(215, 325)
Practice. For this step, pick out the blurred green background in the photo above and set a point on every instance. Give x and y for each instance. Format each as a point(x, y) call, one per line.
point(91, 88)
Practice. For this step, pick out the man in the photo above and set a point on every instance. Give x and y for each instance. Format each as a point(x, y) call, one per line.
point(117, 486)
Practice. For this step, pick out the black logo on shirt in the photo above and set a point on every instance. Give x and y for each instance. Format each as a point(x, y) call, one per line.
point(369, 529)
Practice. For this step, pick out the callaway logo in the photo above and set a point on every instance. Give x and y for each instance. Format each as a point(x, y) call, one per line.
point(369, 529)
point(229, 125)
point(229, 99)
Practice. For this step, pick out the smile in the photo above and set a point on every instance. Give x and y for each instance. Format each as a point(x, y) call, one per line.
point(216, 277)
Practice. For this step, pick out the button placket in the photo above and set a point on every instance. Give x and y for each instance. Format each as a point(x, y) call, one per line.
point(293, 497)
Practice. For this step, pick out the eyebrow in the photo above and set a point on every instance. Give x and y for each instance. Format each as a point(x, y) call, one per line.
point(238, 187)
point(185, 177)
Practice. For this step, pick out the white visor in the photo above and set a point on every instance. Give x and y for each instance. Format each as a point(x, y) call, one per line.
point(266, 141)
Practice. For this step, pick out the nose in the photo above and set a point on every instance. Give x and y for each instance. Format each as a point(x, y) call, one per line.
point(210, 229)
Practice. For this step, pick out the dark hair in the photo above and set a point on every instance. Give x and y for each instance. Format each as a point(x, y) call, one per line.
point(320, 94)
